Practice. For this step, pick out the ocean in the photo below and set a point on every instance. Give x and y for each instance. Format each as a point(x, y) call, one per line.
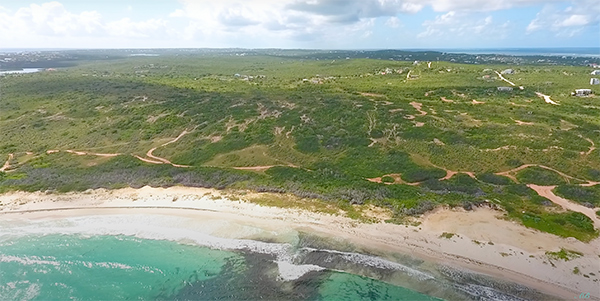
point(157, 257)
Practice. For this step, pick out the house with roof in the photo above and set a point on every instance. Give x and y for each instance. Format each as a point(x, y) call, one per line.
point(595, 72)
point(594, 81)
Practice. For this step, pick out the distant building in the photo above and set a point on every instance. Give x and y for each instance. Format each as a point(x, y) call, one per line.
point(583, 92)
point(508, 71)
point(505, 89)
point(595, 72)
point(594, 81)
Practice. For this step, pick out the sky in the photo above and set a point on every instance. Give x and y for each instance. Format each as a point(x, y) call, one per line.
point(314, 24)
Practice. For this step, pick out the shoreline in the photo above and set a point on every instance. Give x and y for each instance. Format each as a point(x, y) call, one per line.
point(481, 243)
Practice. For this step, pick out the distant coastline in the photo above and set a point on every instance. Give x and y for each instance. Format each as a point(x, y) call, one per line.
point(575, 51)
point(526, 51)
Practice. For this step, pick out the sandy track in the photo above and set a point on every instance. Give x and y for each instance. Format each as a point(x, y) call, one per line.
point(80, 153)
point(504, 79)
point(397, 180)
point(546, 191)
point(546, 98)
point(159, 160)
point(6, 165)
point(509, 175)
point(592, 147)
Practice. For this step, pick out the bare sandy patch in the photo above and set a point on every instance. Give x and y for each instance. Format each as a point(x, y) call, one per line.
point(372, 94)
point(519, 122)
point(475, 102)
point(444, 99)
point(417, 107)
point(546, 98)
point(419, 124)
point(6, 165)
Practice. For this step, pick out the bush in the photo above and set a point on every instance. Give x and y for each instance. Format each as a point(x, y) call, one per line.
point(307, 144)
point(539, 176)
point(387, 179)
point(494, 179)
point(420, 175)
point(583, 195)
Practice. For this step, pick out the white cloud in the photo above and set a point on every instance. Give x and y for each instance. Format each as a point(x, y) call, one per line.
point(284, 23)
point(127, 28)
point(453, 25)
point(567, 22)
point(393, 22)
point(52, 22)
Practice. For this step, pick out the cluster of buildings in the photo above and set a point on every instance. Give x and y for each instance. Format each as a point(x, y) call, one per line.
point(593, 81)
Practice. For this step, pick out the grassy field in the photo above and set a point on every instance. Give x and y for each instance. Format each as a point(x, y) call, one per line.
point(312, 128)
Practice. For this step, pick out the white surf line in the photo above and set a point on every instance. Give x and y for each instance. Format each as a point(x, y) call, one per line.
point(546, 98)
point(504, 79)
point(7, 163)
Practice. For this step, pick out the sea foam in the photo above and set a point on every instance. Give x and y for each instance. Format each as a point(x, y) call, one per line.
point(187, 230)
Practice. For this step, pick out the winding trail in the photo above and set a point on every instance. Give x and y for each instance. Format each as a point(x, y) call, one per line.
point(546, 191)
point(397, 180)
point(591, 149)
point(509, 175)
point(7, 163)
point(159, 160)
point(80, 153)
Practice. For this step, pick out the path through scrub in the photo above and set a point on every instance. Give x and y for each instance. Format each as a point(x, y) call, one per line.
point(546, 98)
point(546, 191)
point(7, 163)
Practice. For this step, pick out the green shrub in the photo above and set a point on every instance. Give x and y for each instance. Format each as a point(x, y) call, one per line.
point(539, 176)
point(589, 195)
point(420, 175)
point(387, 179)
point(494, 179)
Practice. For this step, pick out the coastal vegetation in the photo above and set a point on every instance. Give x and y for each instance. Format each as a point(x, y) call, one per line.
point(342, 132)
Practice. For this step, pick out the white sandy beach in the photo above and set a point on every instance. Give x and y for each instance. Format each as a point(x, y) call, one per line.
point(483, 244)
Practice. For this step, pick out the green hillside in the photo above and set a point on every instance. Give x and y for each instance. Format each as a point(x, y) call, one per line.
point(322, 129)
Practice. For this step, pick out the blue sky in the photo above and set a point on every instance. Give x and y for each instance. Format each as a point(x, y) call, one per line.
point(327, 24)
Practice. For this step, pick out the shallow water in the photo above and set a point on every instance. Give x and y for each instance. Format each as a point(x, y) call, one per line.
point(61, 267)
point(154, 257)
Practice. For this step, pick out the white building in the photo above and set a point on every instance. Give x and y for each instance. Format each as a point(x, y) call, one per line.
point(594, 81)
point(583, 92)
point(595, 72)
point(508, 71)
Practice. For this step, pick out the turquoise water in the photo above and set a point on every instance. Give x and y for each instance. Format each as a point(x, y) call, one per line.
point(101, 267)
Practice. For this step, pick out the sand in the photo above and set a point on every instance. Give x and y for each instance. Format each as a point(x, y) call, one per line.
point(515, 253)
